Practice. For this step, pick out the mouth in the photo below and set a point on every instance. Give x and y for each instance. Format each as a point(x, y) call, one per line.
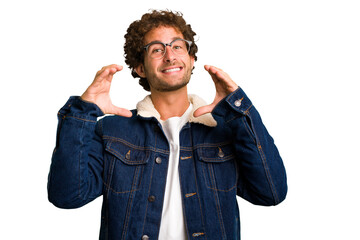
point(171, 70)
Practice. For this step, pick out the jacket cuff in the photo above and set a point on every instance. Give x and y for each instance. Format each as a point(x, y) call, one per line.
point(78, 108)
point(233, 104)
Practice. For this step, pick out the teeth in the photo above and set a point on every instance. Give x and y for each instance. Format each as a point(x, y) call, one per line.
point(172, 70)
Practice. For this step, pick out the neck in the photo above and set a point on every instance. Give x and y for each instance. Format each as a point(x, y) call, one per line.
point(170, 104)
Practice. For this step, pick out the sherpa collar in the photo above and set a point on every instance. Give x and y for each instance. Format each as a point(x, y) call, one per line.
point(146, 108)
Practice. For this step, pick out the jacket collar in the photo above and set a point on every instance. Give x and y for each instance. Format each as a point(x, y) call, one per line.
point(145, 108)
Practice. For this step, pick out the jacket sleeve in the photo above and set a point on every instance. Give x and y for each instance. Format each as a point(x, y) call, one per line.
point(262, 176)
point(77, 162)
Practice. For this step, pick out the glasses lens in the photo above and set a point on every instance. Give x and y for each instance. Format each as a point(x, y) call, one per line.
point(156, 50)
point(180, 47)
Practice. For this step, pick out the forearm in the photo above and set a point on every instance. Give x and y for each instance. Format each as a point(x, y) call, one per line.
point(262, 178)
point(77, 159)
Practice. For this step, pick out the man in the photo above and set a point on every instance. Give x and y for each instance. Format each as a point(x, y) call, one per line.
point(171, 169)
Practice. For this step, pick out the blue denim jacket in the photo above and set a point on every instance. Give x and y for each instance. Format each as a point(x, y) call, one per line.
point(125, 160)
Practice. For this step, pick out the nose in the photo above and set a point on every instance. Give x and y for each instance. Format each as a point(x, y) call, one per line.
point(169, 55)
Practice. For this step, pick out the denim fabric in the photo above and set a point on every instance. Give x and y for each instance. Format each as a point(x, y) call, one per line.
point(125, 160)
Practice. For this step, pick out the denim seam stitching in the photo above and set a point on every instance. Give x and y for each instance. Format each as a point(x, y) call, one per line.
point(268, 174)
point(248, 109)
point(136, 147)
point(265, 165)
point(223, 190)
point(204, 165)
point(233, 118)
point(183, 206)
point(232, 93)
point(164, 189)
point(212, 177)
point(248, 130)
point(127, 162)
point(81, 119)
point(110, 173)
point(220, 144)
point(128, 211)
point(79, 161)
point(246, 112)
point(212, 160)
point(126, 143)
point(147, 202)
point(114, 191)
point(196, 184)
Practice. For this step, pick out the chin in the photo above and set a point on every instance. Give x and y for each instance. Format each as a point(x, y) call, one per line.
point(169, 88)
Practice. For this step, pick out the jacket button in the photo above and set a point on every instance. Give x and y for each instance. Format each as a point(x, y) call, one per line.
point(151, 198)
point(158, 160)
point(221, 153)
point(127, 156)
point(145, 237)
point(238, 103)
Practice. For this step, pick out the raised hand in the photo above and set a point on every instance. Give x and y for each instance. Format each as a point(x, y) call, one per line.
point(224, 85)
point(98, 91)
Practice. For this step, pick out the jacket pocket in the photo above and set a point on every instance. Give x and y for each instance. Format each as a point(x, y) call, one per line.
point(124, 166)
point(218, 167)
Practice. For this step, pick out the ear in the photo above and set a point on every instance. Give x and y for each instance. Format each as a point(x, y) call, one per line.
point(140, 71)
point(192, 59)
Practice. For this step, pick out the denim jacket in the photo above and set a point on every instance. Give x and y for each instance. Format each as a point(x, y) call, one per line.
point(223, 154)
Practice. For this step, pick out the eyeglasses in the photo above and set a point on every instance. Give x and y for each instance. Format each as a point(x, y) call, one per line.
point(157, 49)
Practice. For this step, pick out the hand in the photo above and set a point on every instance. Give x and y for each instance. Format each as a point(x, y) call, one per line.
point(98, 91)
point(224, 85)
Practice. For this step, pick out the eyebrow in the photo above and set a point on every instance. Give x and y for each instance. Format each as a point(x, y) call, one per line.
point(158, 41)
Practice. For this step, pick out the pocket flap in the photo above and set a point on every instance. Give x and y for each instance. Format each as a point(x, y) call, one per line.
point(127, 153)
point(211, 153)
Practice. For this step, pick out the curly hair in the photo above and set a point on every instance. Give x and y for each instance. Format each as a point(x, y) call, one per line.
point(134, 38)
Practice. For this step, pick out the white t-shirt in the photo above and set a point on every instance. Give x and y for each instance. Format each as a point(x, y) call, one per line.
point(172, 225)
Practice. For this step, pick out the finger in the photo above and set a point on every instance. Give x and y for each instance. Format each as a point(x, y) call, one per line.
point(216, 73)
point(207, 67)
point(109, 71)
point(203, 110)
point(213, 69)
point(114, 68)
point(120, 111)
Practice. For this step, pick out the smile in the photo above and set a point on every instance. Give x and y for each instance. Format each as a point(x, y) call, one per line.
point(172, 70)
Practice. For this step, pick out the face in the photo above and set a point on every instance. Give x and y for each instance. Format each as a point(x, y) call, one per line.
point(171, 72)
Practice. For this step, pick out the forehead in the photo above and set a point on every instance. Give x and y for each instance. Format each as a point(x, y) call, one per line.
point(163, 34)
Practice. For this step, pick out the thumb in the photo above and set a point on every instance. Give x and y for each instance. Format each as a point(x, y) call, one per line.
point(120, 111)
point(203, 110)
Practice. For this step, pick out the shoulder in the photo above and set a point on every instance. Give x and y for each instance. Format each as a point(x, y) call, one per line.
point(113, 125)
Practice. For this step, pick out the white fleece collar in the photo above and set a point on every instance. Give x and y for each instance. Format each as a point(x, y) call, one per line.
point(146, 108)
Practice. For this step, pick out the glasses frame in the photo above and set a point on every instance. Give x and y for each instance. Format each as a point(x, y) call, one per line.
point(146, 47)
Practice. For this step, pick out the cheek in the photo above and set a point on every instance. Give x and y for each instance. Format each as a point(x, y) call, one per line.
point(149, 67)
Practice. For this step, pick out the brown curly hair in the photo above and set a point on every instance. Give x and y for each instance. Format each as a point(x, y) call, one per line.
point(134, 38)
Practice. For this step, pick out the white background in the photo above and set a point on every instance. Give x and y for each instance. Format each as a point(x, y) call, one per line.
point(299, 62)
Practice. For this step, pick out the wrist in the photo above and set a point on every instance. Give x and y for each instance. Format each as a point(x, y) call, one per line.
point(87, 98)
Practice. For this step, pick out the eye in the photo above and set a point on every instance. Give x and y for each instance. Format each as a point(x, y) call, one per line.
point(157, 50)
point(180, 46)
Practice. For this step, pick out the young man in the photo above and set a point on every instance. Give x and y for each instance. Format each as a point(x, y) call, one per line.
point(171, 169)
